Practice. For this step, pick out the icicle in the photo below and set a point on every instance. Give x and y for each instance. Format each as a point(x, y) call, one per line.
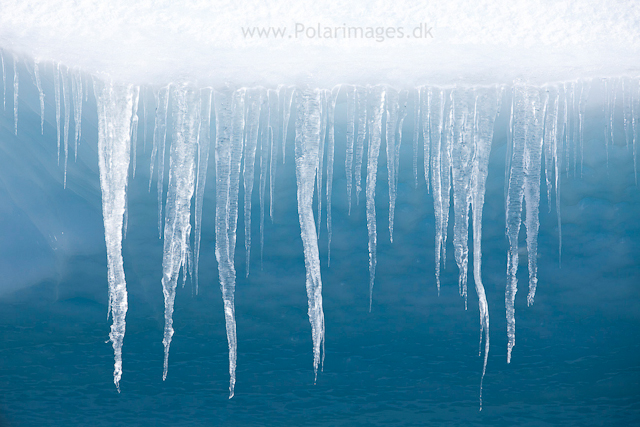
point(377, 97)
point(635, 108)
point(509, 150)
point(36, 72)
point(606, 108)
point(392, 122)
point(144, 118)
point(532, 152)
point(549, 141)
point(274, 103)
point(395, 116)
point(440, 181)
point(134, 130)
point(15, 94)
point(265, 143)
point(323, 134)
point(286, 94)
point(229, 133)
point(114, 117)
point(254, 102)
point(331, 106)
point(425, 113)
point(486, 107)
point(348, 162)
point(76, 88)
point(307, 147)
point(361, 105)
point(56, 84)
point(204, 141)
point(626, 109)
point(612, 108)
point(584, 95)
point(4, 83)
point(558, 168)
point(525, 167)
point(177, 227)
point(416, 135)
point(159, 139)
point(575, 125)
point(67, 113)
point(402, 113)
point(462, 159)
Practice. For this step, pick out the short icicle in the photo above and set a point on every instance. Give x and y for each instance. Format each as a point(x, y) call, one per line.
point(377, 102)
point(15, 94)
point(331, 107)
point(361, 105)
point(204, 143)
point(416, 133)
point(56, 85)
point(254, 99)
point(36, 72)
point(351, 123)
point(159, 140)
point(274, 107)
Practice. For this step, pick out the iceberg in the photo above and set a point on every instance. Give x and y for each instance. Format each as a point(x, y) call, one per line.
point(236, 98)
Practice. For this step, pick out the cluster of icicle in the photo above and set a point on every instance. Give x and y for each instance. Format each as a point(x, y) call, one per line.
point(454, 124)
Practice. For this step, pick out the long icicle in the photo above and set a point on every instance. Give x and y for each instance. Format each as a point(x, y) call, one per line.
point(377, 102)
point(425, 118)
point(438, 166)
point(266, 137)
point(229, 137)
point(487, 106)
point(114, 118)
point(392, 108)
point(533, 152)
point(67, 114)
point(526, 132)
point(181, 186)
point(274, 106)
point(560, 136)
point(635, 108)
point(307, 147)
point(462, 165)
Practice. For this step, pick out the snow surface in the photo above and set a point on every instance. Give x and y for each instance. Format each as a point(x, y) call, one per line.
point(473, 41)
